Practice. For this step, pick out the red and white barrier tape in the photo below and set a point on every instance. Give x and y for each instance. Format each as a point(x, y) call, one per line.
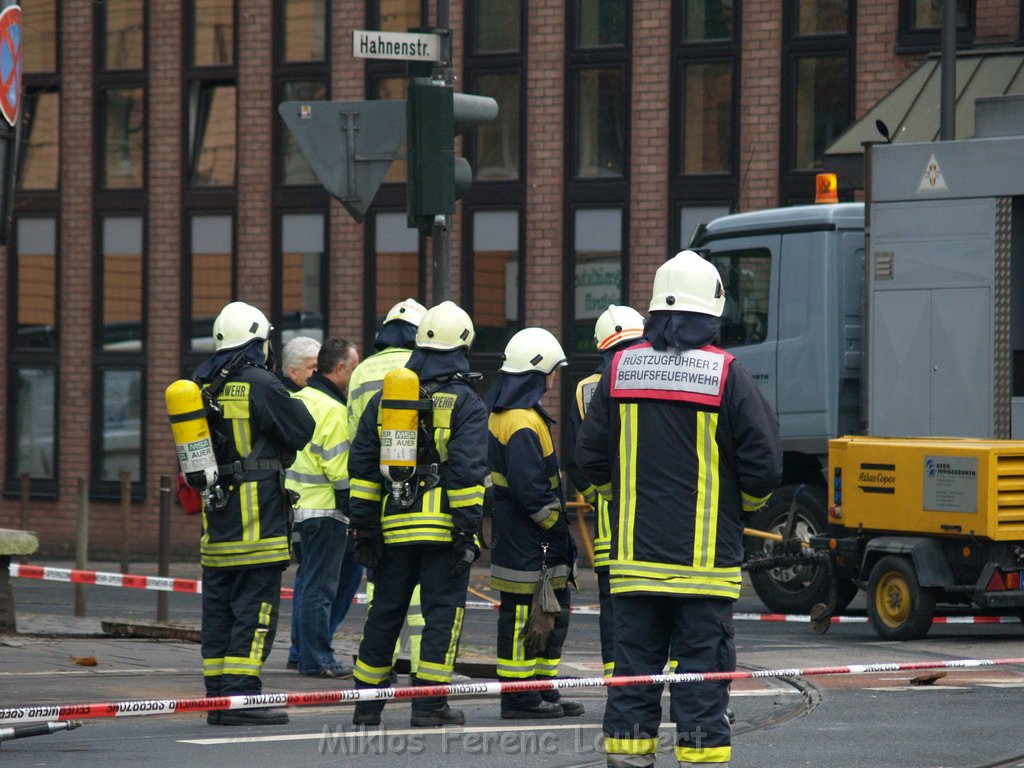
point(162, 584)
point(132, 708)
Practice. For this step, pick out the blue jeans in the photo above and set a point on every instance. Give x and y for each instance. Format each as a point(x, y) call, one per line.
point(323, 554)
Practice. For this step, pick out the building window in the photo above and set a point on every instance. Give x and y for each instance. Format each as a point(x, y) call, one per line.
point(301, 281)
point(305, 30)
point(691, 217)
point(124, 29)
point(121, 431)
point(212, 134)
point(601, 22)
point(704, 103)
point(397, 261)
point(397, 15)
point(496, 26)
point(920, 24)
point(213, 33)
point(498, 142)
point(124, 142)
point(40, 149)
point(35, 258)
point(122, 285)
point(598, 251)
point(33, 410)
point(496, 294)
point(39, 33)
point(600, 122)
point(212, 276)
point(818, 90)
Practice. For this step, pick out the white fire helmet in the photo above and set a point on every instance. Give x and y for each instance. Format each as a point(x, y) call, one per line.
point(533, 349)
point(688, 283)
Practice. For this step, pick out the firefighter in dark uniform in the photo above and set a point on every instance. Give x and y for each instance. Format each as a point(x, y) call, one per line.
point(531, 529)
point(682, 440)
point(617, 328)
point(429, 539)
point(257, 429)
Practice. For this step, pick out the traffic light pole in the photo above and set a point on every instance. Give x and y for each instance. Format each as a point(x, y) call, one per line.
point(441, 236)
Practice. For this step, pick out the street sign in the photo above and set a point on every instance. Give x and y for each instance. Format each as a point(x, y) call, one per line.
point(10, 63)
point(349, 144)
point(406, 46)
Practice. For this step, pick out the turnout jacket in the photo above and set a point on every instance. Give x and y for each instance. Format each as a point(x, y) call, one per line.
point(527, 502)
point(264, 428)
point(602, 525)
point(455, 503)
point(367, 380)
point(320, 471)
point(682, 443)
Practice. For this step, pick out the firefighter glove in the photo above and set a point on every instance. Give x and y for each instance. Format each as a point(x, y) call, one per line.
point(369, 547)
point(466, 552)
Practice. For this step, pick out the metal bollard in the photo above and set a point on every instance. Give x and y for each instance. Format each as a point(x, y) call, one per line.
point(126, 508)
point(81, 543)
point(164, 544)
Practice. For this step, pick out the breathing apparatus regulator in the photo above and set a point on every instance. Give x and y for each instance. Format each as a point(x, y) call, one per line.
point(401, 409)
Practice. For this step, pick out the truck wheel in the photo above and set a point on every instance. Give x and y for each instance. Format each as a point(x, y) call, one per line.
point(796, 588)
point(899, 607)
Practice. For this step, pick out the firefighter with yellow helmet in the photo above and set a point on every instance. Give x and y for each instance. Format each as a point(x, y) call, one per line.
point(617, 328)
point(416, 500)
point(532, 541)
point(256, 428)
point(681, 440)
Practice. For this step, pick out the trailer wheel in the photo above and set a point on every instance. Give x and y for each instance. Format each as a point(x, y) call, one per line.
point(898, 606)
point(797, 588)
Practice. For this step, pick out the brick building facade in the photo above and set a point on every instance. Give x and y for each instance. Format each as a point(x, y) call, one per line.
point(616, 126)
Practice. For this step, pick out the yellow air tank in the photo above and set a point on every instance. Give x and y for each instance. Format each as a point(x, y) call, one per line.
point(191, 434)
point(399, 424)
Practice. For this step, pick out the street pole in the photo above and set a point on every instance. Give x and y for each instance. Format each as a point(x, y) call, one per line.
point(440, 233)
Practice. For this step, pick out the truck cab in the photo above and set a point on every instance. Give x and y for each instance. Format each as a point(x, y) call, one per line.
point(794, 285)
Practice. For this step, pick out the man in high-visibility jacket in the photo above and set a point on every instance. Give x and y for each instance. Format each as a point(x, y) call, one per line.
point(257, 430)
point(617, 328)
point(681, 439)
point(394, 343)
point(429, 537)
point(320, 477)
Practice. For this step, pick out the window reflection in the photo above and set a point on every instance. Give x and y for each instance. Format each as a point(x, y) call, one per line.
point(395, 88)
point(495, 278)
point(707, 20)
point(37, 283)
point(39, 35)
point(707, 118)
point(497, 26)
point(212, 275)
point(302, 257)
point(126, 34)
point(601, 123)
point(35, 395)
point(213, 37)
point(398, 260)
point(122, 283)
point(40, 161)
point(399, 15)
point(818, 17)
point(121, 442)
point(598, 270)
point(295, 168)
point(928, 14)
point(602, 22)
point(213, 135)
point(497, 141)
point(125, 138)
point(746, 275)
point(305, 30)
point(821, 107)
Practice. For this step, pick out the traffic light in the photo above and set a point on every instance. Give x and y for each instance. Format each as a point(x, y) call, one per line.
point(434, 116)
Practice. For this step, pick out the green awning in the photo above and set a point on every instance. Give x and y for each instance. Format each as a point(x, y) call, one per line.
point(911, 110)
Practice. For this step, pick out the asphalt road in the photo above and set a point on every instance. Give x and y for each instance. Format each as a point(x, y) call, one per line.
point(966, 718)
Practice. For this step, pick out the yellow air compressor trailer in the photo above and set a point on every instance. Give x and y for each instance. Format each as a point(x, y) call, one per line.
point(918, 522)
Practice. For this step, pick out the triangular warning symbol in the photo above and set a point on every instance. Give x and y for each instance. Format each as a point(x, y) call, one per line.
point(932, 181)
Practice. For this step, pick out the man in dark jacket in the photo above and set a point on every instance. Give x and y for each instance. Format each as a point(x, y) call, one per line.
point(427, 535)
point(684, 444)
point(532, 532)
point(257, 429)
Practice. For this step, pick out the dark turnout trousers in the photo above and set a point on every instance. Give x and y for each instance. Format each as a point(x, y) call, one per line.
point(516, 662)
point(698, 633)
point(240, 611)
point(443, 603)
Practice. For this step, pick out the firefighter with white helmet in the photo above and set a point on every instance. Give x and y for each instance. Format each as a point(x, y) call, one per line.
point(617, 328)
point(257, 429)
point(532, 540)
point(394, 344)
point(419, 525)
point(684, 445)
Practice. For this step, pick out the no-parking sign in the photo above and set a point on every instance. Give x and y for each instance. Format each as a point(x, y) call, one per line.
point(10, 63)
